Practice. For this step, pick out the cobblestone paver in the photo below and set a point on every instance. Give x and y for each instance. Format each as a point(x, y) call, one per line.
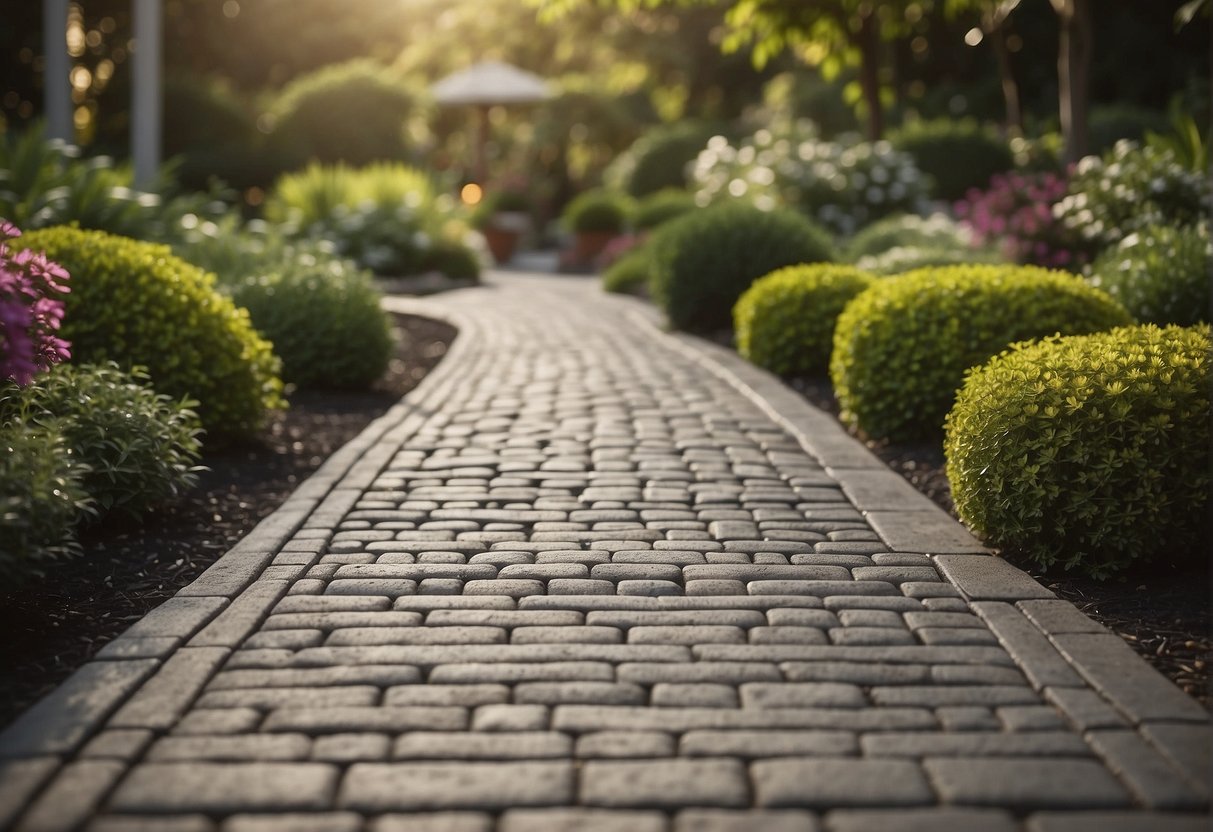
point(592, 577)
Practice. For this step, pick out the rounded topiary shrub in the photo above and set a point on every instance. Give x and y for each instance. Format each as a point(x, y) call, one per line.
point(597, 210)
point(659, 159)
point(136, 304)
point(957, 155)
point(1088, 452)
point(904, 230)
point(630, 273)
point(902, 347)
point(1160, 274)
point(703, 261)
point(659, 208)
point(324, 319)
point(785, 321)
point(140, 446)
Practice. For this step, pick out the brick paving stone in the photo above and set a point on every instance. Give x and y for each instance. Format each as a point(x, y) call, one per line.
point(388, 787)
point(1039, 659)
point(1147, 773)
point(839, 783)
point(802, 695)
point(580, 820)
point(1186, 746)
point(225, 721)
point(345, 719)
point(921, 820)
point(72, 796)
point(581, 693)
point(985, 744)
point(295, 822)
point(967, 718)
point(242, 748)
point(441, 822)
point(350, 748)
point(162, 823)
point(515, 745)
point(664, 784)
point(1026, 784)
point(299, 697)
point(702, 695)
point(379, 675)
point(118, 744)
point(768, 743)
point(1117, 822)
point(721, 820)
point(224, 788)
point(625, 744)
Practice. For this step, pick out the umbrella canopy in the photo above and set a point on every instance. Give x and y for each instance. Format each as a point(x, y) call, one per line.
point(488, 83)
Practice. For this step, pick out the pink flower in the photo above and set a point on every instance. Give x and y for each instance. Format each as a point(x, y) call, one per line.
point(30, 314)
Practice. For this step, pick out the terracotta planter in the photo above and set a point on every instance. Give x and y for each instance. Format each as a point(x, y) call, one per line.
point(501, 243)
point(587, 245)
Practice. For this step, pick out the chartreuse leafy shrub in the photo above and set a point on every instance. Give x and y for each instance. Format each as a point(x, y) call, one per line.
point(385, 217)
point(140, 447)
point(703, 261)
point(42, 496)
point(1160, 274)
point(1127, 189)
point(658, 208)
point(597, 210)
point(323, 317)
point(785, 321)
point(1089, 452)
point(136, 304)
point(902, 347)
point(955, 154)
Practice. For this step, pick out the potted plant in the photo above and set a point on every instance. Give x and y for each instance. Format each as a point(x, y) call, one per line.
point(503, 217)
point(595, 217)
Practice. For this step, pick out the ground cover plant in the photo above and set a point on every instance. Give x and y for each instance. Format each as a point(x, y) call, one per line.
point(785, 321)
point(136, 304)
point(901, 348)
point(703, 261)
point(1088, 452)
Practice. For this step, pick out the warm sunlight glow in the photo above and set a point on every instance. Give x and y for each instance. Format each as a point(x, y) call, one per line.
point(471, 194)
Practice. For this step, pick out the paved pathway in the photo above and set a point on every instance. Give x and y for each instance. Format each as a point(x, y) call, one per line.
point(588, 578)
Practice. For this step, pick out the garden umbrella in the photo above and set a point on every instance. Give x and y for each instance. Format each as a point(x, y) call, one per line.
point(484, 85)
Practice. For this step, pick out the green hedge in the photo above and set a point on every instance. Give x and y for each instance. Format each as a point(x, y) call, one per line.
point(1160, 274)
point(659, 159)
point(658, 208)
point(703, 261)
point(902, 347)
point(957, 155)
point(630, 273)
point(136, 304)
point(1088, 452)
point(597, 210)
point(785, 321)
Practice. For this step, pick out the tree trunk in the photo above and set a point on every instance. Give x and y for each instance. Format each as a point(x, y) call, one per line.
point(867, 39)
point(1073, 73)
point(1010, 87)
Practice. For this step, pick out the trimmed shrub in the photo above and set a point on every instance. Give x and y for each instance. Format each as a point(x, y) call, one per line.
point(324, 319)
point(703, 261)
point(908, 230)
point(659, 208)
point(1127, 189)
point(140, 446)
point(659, 159)
point(353, 112)
point(41, 497)
point(957, 155)
point(902, 347)
point(630, 273)
point(909, 258)
point(785, 321)
point(597, 210)
point(1110, 123)
point(136, 304)
point(1160, 274)
point(1089, 452)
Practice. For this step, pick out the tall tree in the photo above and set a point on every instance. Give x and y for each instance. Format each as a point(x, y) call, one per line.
point(994, 24)
point(1074, 73)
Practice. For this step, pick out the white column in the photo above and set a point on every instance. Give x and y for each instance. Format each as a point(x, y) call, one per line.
point(56, 76)
point(145, 99)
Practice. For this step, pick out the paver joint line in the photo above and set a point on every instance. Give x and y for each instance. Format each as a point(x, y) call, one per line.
point(592, 576)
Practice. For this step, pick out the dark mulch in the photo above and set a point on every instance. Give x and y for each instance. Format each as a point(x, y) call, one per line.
point(53, 625)
point(1161, 610)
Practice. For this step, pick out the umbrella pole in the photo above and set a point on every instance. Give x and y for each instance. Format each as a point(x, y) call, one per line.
point(482, 141)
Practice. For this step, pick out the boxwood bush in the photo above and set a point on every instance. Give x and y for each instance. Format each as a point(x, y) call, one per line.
point(957, 155)
point(136, 304)
point(140, 447)
point(324, 319)
point(1160, 274)
point(785, 321)
point(630, 273)
point(703, 261)
point(658, 208)
point(902, 347)
point(597, 210)
point(1089, 452)
point(660, 158)
point(903, 230)
point(42, 497)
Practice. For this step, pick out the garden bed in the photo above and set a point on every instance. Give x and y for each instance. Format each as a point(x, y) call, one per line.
point(1162, 612)
point(56, 624)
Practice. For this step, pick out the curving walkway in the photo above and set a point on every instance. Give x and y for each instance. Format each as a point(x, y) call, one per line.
point(594, 577)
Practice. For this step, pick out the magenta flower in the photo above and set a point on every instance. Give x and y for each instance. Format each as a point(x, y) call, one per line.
point(30, 312)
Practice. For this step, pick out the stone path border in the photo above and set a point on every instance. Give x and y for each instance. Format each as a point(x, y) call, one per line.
point(57, 764)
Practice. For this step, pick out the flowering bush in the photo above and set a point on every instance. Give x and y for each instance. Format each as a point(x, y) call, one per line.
point(844, 184)
point(902, 259)
point(1015, 215)
point(1160, 274)
point(903, 230)
point(29, 313)
point(1128, 188)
